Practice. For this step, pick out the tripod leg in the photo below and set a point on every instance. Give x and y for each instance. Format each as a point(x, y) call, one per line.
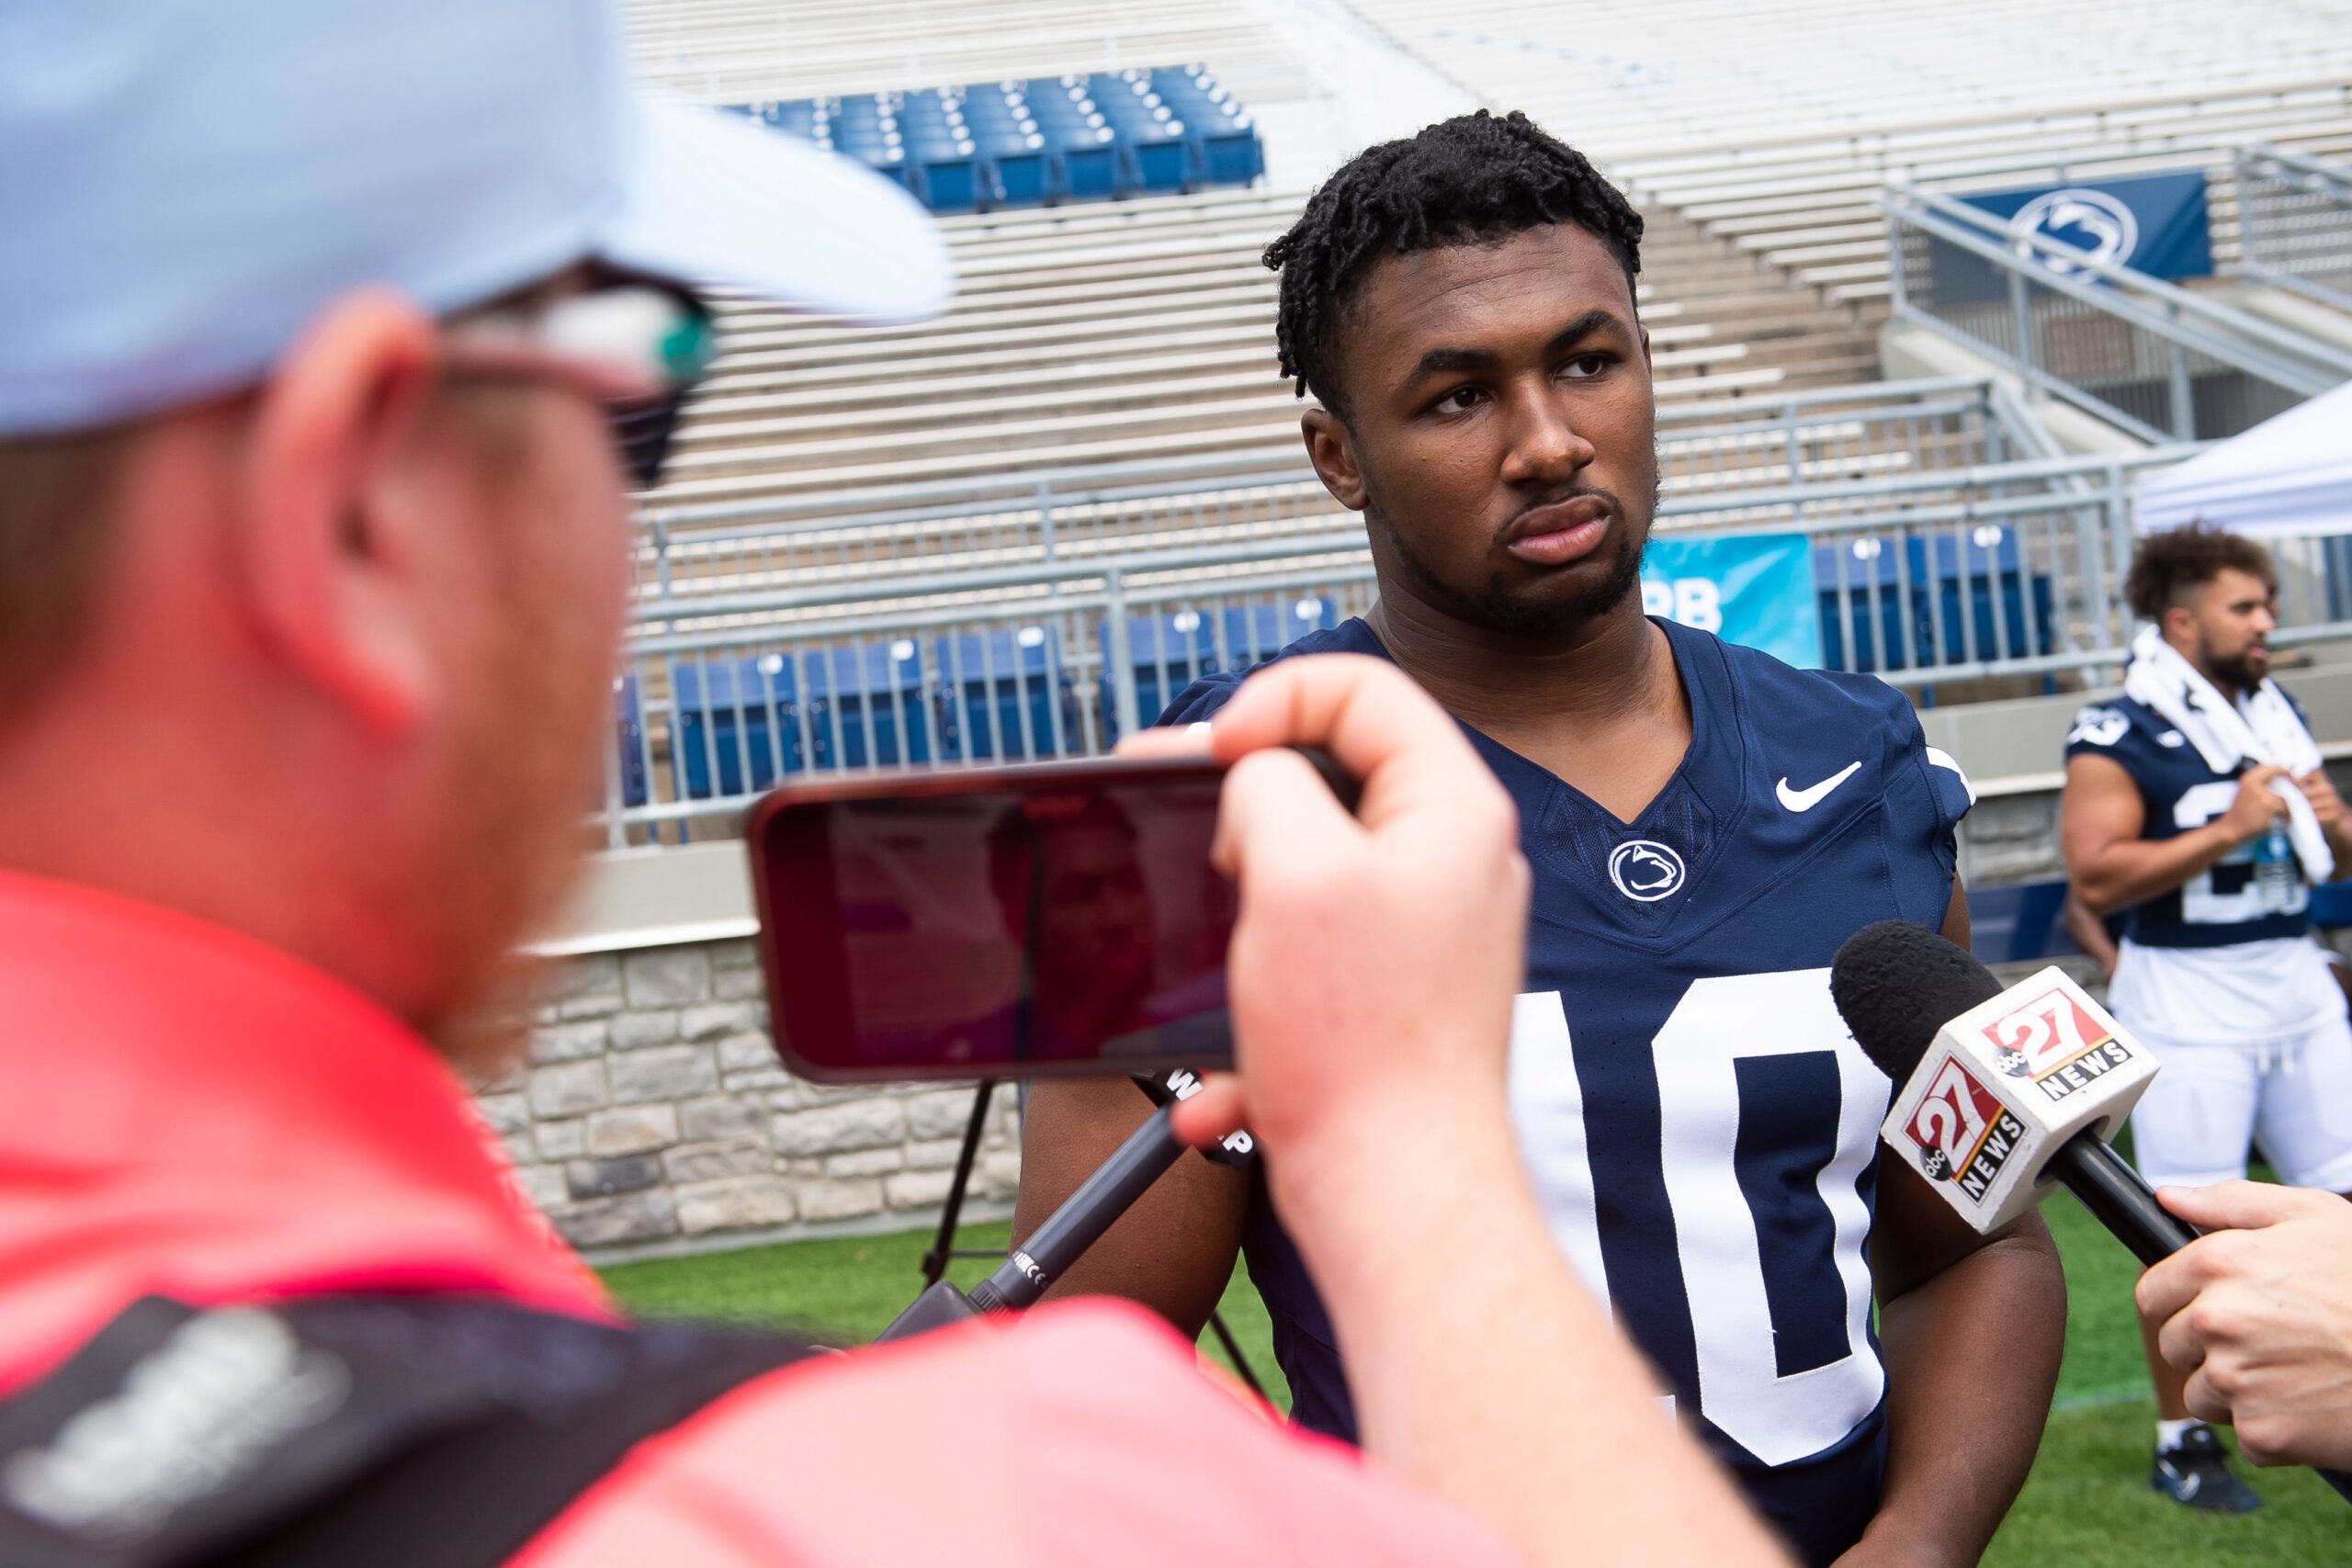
point(1233, 1352)
point(935, 1262)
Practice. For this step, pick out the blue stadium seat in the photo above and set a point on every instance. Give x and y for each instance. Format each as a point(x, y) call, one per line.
point(2331, 905)
point(1014, 696)
point(744, 722)
point(1043, 140)
point(2019, 924)
point(1012, 144)
point(629, 723)
point(1163, 159)
point(1861, 574)
point(2023, 622)
point(1169, 652)
point(1229, 151)
point(1079, 136)
point(2018, 629)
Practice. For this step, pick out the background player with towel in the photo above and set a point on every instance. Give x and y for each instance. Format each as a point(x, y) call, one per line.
point(2197, 800)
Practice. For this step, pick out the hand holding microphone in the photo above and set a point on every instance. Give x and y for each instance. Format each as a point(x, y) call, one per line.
point(2003, 1095)
point(2259, 1314)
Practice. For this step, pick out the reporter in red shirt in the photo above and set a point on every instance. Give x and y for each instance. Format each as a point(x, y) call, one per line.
point(317, 327)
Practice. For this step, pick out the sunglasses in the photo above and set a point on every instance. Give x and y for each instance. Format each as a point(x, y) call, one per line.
point(636, 349)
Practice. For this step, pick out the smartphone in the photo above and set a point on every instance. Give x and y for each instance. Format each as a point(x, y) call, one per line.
point(1037, 920)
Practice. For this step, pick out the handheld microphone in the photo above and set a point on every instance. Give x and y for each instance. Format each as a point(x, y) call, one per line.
point(1067, 1231)
point(2002, 1095)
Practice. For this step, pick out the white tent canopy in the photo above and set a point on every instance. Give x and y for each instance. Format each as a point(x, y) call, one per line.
point(2288, 475)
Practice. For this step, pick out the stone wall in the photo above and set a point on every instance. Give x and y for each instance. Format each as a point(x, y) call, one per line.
point(652, 1116)
point(2010, 838)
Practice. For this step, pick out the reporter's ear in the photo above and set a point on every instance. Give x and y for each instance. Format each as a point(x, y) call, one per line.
point(328, 556)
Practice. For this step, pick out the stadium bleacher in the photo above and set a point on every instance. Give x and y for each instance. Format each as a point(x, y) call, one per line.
point(1104, 390)
point(736, 51)
point(1773, 129)
point(1100, 334)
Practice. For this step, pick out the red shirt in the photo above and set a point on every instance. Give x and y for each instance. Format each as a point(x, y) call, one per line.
point(192, 1114)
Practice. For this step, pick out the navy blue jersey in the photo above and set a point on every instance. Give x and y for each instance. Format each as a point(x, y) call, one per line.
point(1700, 1125)
point(2180, 792)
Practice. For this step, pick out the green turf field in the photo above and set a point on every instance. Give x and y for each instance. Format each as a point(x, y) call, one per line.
point(2087, 1506)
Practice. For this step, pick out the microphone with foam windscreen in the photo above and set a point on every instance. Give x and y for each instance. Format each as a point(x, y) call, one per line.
point(2002, 1095)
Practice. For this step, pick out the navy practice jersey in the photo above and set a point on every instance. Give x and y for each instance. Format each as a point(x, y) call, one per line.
point(2180, 792)
point(1700, 1125)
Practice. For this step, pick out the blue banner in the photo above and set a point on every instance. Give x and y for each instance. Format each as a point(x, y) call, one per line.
point(2154, 224)
point(1755, 589)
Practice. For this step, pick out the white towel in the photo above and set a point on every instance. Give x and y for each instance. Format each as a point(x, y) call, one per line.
point(2262, 727)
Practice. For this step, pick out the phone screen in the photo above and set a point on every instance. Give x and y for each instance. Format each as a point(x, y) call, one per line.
point(1028, 922)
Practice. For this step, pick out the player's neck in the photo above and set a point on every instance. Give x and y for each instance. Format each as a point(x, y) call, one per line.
point(1599, 703)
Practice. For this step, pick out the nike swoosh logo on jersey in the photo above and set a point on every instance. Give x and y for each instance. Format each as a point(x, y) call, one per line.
point(1807, 799)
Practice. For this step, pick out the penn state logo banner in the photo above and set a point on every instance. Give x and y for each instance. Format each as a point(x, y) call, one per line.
point(2154, 224)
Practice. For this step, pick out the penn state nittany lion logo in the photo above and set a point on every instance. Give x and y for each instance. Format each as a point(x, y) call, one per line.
point(2080, 218)
point(2100, 726)
point(1646, 871)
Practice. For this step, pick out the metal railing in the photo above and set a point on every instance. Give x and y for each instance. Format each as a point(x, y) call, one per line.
point(692, 555)
point(2295, 222)
point(2153, 359)
point(2008, 568)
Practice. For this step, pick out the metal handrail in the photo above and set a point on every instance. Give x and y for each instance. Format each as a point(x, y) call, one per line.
point(2231, 327)
point(2337, 174)
point(2306, 175)
point(1059, 574)
point(1138, 478)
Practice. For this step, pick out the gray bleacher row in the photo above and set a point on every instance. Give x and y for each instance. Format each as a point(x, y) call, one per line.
point(758, 50)
point(690, 553)
point(1774, 128)
point(1643, 81)
point(1088, 335)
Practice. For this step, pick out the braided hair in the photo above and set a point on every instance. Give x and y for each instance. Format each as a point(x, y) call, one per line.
point(1472, 179)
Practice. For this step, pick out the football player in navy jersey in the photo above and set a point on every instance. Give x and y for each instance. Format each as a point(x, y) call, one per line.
point(1705, 827)
point(2225, 985)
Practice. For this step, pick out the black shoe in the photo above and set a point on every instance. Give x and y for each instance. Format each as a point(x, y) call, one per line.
point(2197, 1474)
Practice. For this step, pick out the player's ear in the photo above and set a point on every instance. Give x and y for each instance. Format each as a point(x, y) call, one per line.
point(1331, 449)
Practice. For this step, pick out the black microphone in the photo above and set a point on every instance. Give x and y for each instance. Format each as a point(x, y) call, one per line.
point(1067, 1231)
point(1999, 1093)
point(1897, 985)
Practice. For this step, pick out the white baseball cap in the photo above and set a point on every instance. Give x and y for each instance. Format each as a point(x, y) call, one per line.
point(186, 184)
